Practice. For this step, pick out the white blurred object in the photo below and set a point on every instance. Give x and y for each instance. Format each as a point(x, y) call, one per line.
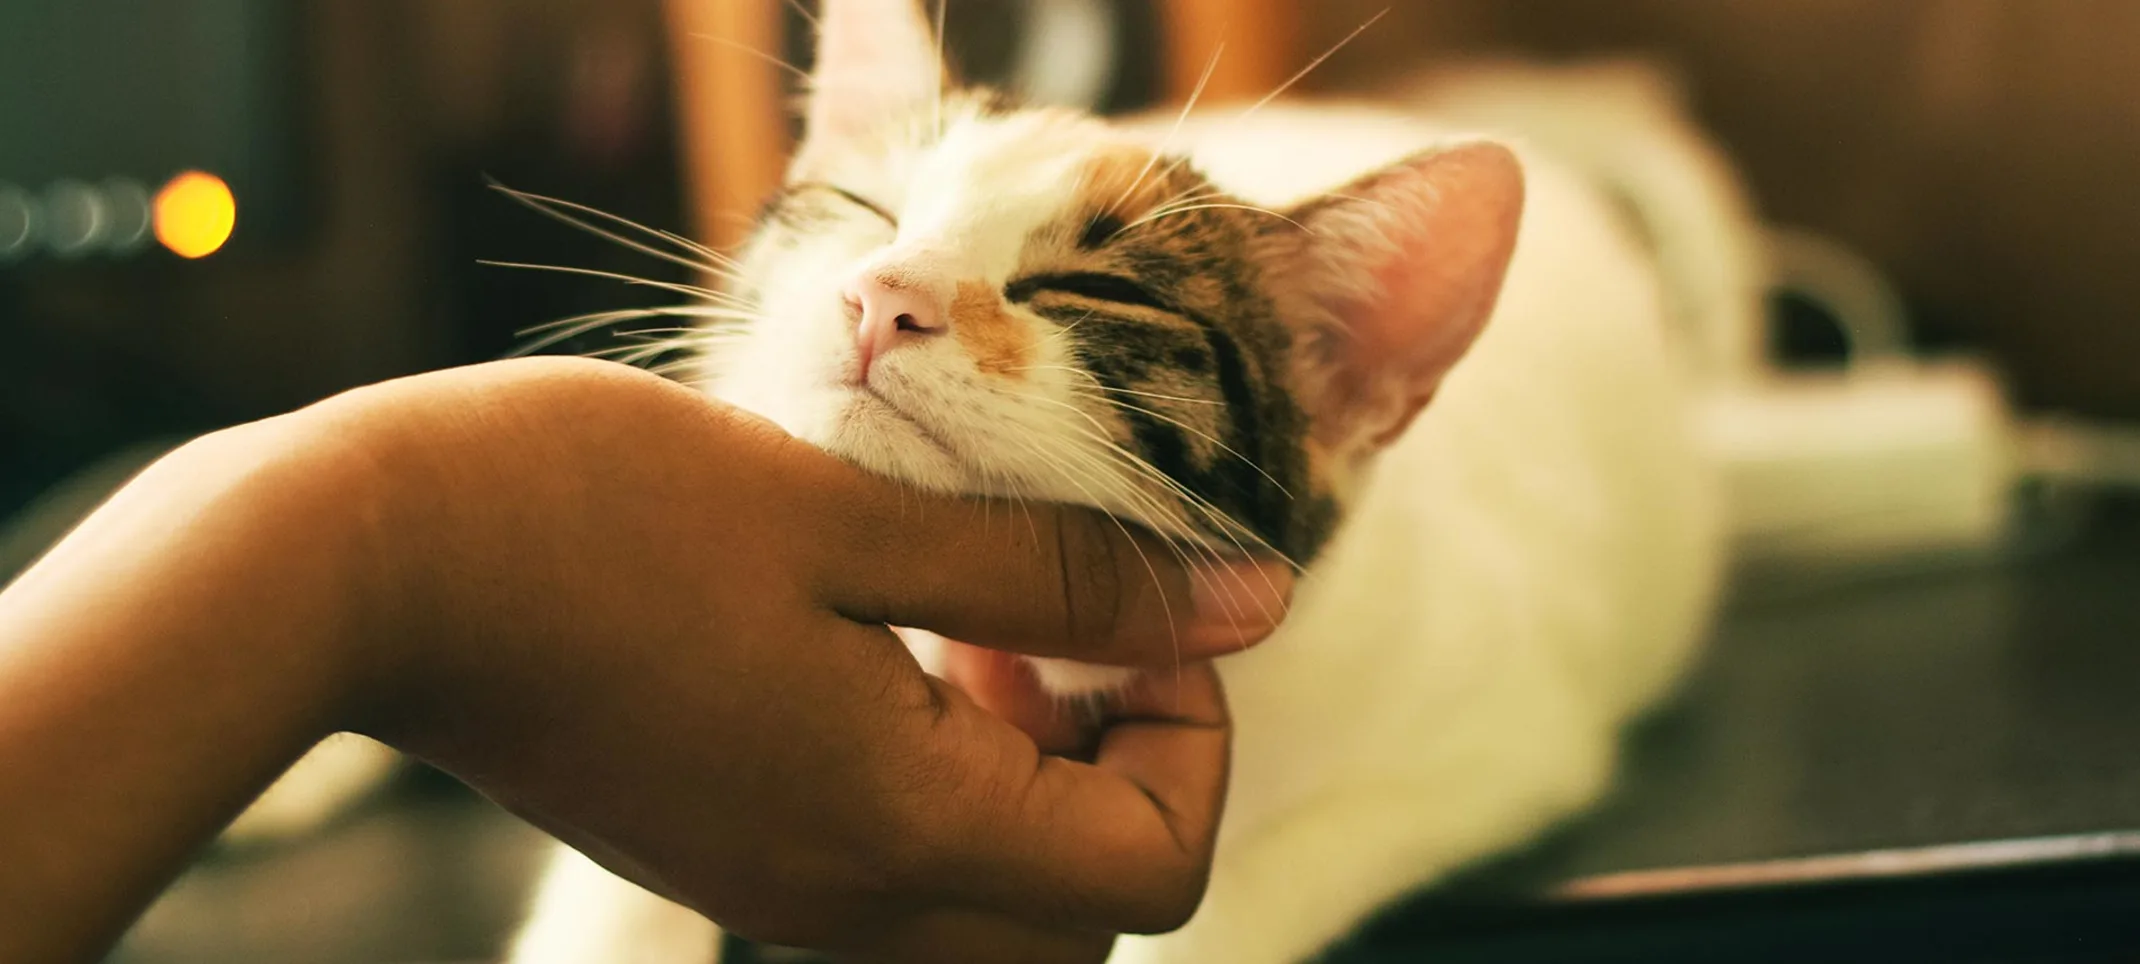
point(1857, 296)
point(1067, 56)
point(1879, 466)
point(2078, 452)
point(1891, 463)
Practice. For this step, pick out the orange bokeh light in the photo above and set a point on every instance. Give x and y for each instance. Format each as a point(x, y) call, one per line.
point(195, 214)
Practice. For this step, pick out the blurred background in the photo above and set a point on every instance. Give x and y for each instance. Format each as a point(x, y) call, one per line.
point(216, 210)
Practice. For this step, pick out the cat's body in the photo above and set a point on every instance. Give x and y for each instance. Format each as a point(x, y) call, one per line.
point(1622, 122)
point(1525, 567)
point(1529, 565)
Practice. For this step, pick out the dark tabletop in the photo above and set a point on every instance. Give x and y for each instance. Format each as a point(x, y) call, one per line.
point(1941, 768)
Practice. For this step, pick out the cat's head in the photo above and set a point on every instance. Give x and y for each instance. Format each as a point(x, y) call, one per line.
point(979, 298)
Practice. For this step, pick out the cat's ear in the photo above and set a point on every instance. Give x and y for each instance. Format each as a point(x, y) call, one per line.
point(878, 67)
point(1390, 280)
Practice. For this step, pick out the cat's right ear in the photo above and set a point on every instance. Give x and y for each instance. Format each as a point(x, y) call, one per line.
point(1390, 279)
point(878, 69)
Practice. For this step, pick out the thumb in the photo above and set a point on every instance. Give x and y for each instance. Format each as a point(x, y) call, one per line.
point(1044, 580)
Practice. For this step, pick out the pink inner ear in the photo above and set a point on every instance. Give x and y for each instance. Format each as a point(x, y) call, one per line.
point(877, 63)
point(1411, 260)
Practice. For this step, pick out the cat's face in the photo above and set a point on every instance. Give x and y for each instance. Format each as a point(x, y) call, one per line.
point(1031, 303)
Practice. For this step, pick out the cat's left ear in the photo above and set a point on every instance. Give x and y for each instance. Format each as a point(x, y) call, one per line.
point(878, 70)
point(1389, 281)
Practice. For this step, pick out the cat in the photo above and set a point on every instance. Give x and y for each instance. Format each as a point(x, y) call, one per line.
point(1621, 120)
point(1439, 373)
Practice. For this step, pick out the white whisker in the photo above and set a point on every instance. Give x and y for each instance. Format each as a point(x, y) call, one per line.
point(555, 208)
point(1317, 62)
point(1064, 331)
point(674, 311)
point(1189, 195)
point(1193, 431)
point(1147, 219)
point(566, 329)
point(943, 8)
point(1165, 606)
point(1224, 523)
point(684, 289)
point(1355, 199)
point(1187, 106)
point(1147, 510)
point(755, 52)
point(1096, 383)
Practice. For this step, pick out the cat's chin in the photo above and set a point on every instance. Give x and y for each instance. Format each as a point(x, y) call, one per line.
point(870, 431)
point(1067, 678)
point(1060, 678)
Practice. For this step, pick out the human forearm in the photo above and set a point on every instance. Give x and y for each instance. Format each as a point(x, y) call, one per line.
point(161, 666)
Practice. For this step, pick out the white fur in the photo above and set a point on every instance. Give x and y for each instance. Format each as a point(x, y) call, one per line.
point(1526, 568)
point(1529, 565)
point(965, 209)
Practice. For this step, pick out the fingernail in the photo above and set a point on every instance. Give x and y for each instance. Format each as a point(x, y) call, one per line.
point(1237, 605)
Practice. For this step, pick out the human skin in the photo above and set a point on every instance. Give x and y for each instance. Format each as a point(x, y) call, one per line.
point(653, 626)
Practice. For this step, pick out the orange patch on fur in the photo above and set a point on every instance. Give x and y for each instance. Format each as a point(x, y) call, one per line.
point(998, 343)
point(1110, 174)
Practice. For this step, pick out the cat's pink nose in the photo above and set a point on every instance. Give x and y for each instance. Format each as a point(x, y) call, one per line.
point(891, 314)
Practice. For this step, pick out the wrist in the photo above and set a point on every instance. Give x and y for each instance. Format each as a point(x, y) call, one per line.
point(308, 564)
point(362, 587)
point(260, 545)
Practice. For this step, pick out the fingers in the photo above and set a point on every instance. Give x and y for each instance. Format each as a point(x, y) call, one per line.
point(1002, 684)
point(1043, 580)
point(1122, 844)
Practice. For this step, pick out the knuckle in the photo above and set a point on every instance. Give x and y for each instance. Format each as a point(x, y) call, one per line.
point(917, 792)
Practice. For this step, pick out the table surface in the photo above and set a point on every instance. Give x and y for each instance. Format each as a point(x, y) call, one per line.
point(1958, 752)
point(1847, 774)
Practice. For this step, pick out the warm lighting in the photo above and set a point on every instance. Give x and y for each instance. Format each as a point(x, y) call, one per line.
point(195, 214)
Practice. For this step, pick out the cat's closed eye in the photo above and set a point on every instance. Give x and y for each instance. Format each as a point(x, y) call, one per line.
point(857, 199)
point(1092, 285)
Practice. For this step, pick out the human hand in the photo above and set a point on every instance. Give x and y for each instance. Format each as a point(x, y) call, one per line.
point(651, 624)
point(656, 627)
